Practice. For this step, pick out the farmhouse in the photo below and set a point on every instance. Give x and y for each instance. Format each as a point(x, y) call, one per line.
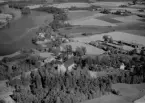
point(93, 74)
point(49, 59)
point(41, 35)
point(66, 66)
point(69, 64)
point(122, 66)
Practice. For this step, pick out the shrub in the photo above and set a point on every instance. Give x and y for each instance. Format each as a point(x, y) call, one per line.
point(105, 11)
point(113, 91)
point(122, 6)
point(52, 10)
point(25, 11)
point(87, 34)
point(2, 101)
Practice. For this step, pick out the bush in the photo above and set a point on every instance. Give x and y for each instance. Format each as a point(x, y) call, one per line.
point(2, 101)
point(52, 10)
point(87, 34)
point(123, 6)
point(113, 91)
point(105, 11)
point(141, 10)
point(25, 11)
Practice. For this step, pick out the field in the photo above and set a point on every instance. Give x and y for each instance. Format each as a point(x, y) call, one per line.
point(128, 93)
point(73, 15)
point(116, 36)
point(69, 5)
point(91, 20)
point(127, 28)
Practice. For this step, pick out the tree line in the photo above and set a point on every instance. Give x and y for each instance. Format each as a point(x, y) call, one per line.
point(77, 86)
point(11, 67)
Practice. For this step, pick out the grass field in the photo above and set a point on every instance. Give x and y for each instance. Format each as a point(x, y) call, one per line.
point(128, 94)
point(109, 18)
point(76, 31)
point(80, 14)
point(116, 36)
point(128, 19)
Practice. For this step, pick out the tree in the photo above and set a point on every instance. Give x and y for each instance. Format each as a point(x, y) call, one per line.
point(5, 59)
point(0, 11)
point(84, 50)
point(61, 16)
point(68, 49)
point(80, 51)
point(134, 2)
point(107, 38)
point(55, 24)
point(2, 101)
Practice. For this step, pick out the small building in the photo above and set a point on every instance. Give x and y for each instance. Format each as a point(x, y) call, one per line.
point(132, 68)
point(41, 35)
point(65, 40)
point(122, 66)
point(61, 67)
point(49, 59)
point(93, 74)
point(62, 49)
point(113, 11)
point(69, 64)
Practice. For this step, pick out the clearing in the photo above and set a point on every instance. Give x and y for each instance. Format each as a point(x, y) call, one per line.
point(69, 5)
point(116, 36)
point(128, 94)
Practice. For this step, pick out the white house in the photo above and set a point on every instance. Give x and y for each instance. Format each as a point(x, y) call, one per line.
point(52, 38)
point(61, 68)
point(70, 55)
point(67, 66)
point(49, 59)
point(113, 11)
point(122, 66)
point(61, 48)
point(93, 74)
point(42, 35)
point(71, 67)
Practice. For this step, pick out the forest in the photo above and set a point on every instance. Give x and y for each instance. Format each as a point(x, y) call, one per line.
point(46, 86)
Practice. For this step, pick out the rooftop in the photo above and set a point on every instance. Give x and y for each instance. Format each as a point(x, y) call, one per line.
point(69, 62)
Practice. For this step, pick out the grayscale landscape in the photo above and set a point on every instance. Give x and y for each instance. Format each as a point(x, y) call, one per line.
point(72, 51)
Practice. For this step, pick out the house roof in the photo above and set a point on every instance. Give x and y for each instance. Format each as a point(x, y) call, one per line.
point(69, 62)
